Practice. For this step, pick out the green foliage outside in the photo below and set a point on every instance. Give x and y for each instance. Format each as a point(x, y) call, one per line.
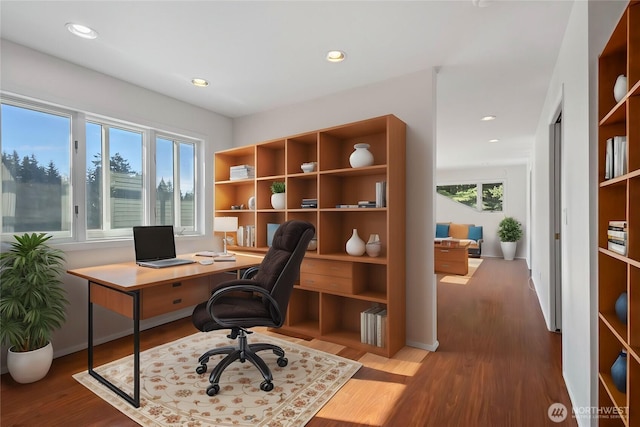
point(491, 198)
point(32, 299)
point(467, 194)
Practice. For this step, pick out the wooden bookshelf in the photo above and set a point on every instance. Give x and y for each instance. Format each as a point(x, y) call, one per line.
point(334, 287)
point(619, 200)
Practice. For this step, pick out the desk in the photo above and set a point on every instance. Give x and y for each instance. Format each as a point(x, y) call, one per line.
point(140, 292)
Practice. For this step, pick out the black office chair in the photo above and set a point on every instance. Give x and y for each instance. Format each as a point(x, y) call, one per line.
point(260, 298)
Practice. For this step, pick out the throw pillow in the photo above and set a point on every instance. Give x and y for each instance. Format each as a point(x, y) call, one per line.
point(459, 231)
point(475, 233)
point(442, 230)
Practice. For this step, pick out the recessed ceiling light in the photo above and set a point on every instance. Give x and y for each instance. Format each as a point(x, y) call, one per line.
point(488, 118)
point(494, 140)
point(199, 82)
point(335, 56)
point(81, 31)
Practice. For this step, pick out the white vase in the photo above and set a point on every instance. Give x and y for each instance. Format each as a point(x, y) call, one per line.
point(620, 88)
point(29, 366)
point(373, 246)
point(355, 245)
point(508, 250)
point(361, 156)
point(278, 200)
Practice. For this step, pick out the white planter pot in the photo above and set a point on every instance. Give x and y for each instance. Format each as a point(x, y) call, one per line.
point(30, 366)
point(508, 250)
point(278, 200)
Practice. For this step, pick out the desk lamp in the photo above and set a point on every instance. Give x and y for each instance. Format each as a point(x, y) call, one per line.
point(225, 224)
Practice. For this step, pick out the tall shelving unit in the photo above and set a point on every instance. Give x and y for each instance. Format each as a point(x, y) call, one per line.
point(335, 287)
point(619, 200)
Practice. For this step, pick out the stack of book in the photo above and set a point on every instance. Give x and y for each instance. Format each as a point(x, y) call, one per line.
point(367, 204)
point(246, 235)
point(309, 203)
point(617, 237)
point(373, 326)
point(241, 172)
point(615, 157)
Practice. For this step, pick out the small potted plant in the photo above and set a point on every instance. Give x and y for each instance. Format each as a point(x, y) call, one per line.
point(509, 232)
point(278, 197)
point(32, 304)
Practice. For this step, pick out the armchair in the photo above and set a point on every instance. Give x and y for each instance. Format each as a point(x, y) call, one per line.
point(260, 298)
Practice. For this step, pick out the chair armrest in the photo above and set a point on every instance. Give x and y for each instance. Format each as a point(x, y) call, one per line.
point(240, 285)
point(250, 272)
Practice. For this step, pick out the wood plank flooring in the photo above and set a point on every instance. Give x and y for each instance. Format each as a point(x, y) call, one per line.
point(497, 365)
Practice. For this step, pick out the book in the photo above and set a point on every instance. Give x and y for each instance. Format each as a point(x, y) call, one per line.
point(381, 194)
point(381, 327)
point(618, 224)
point(617, 248)
point(346, 206)
point(608, 163)
point(619, 156)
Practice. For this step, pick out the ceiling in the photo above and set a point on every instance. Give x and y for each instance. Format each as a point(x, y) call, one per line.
point(494, 60)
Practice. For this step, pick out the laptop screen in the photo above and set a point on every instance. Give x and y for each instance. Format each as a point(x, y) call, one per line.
point(154, 242)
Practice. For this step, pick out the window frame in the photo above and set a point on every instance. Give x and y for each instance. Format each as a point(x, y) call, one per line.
point(79, 232)
point(479, 199)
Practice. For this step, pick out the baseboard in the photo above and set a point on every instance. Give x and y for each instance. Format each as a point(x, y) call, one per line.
point(423, 346)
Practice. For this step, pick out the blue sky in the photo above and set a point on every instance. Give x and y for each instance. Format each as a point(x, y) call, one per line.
point(47, 137)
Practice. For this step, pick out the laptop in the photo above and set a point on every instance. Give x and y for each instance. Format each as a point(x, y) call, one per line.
point(155, 247)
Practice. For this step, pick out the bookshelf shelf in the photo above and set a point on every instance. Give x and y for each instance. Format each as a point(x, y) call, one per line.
point(328, 311)
point(619, 219)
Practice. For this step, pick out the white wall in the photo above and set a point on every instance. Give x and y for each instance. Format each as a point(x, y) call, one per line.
point(411, 98)
point(515, 203)
point(32, 74)
point(574, 83)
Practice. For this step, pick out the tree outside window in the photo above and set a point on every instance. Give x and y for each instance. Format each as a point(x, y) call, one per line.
point(485, 197)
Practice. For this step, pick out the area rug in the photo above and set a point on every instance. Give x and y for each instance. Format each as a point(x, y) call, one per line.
point(474, 264)
point(172, 394)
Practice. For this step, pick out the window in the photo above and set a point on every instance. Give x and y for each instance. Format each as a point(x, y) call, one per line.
point(175, 169)
point(114, 178)
point(117, 165)
point(486, 197)
point(36, 170)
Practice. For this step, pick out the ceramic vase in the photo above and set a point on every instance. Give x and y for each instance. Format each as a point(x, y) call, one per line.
point(619, 372)
point(278, 200)
point(508, 250)
point(361, 156)
point(621, 307)
point(29, 366)
point(355, 245)
point(373, 245)
point(620, 88)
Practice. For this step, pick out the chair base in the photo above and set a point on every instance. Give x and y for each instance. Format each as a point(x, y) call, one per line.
point(243, 352)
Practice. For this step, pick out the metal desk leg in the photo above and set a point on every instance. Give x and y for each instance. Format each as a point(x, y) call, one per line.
point(135, 401)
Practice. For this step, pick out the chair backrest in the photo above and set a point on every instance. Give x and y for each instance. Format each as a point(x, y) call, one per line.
point(280, 267)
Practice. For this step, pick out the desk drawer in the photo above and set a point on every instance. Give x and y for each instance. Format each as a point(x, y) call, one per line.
point(173, 296)
point(457, 254)
point(327, 283)
point(327, 268)
point(452, 267)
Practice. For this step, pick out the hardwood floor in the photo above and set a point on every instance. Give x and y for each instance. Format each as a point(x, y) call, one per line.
point(497, 365)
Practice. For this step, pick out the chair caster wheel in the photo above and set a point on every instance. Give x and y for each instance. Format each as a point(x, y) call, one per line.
point(201, 369)
point(282, 362)
point(213, 389)
point(265, 386)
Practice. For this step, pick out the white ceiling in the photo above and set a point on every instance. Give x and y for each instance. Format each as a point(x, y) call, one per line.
point(264, 54)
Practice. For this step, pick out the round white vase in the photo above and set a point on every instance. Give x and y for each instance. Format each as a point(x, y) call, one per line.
point(620, 88)
point(29, 366)
point(278, 200)
point(508, 250)
point(355, 245)
point(361, 156)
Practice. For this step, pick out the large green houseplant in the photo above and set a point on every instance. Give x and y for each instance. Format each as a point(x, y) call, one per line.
point(509, 232)
point(32, 299)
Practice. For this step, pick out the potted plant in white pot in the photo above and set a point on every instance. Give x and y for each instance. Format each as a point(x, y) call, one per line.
point(32, 304)
point(509, 232)
point(278, 197)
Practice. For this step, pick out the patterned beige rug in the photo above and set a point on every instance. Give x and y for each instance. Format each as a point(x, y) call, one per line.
point(172, 394)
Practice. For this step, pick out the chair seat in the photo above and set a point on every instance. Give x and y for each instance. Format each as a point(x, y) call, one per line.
point(247, 312)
